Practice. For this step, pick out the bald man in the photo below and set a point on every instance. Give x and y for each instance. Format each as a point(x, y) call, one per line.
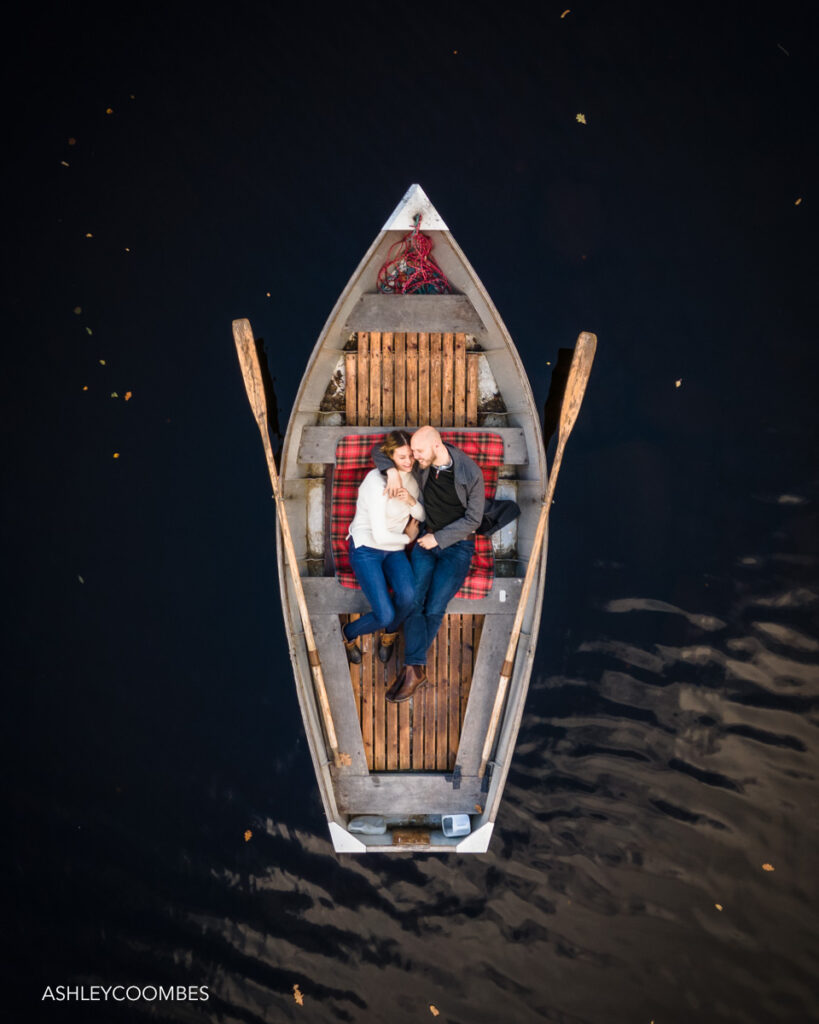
point(453, 494)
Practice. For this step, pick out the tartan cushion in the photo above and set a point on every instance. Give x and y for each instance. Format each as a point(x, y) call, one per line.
point(353, 462)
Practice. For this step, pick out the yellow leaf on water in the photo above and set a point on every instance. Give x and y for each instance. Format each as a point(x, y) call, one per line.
point(80, 579)
point(78, 310)
point(85, 387)
point(298, 996)
point(248, 835)
point(567, 11)
point(678, 383)
point(580, 118)
point(102, 362)
point(718, 906)
point(88, 234)
point(109, 110)
point(127, 396)
point(65, 163)
point(798, 201)
point(767, 867)
point(116, 455)
point(88, 330)
point(434, 1010)
point(114, 394)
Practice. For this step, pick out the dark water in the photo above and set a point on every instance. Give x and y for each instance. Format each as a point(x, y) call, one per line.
point(668, 751)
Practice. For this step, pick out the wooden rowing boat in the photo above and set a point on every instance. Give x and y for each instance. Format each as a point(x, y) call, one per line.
point(385, 360)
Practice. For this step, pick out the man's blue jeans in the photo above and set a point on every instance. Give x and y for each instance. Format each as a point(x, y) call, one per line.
point(374, 569)
point(439, 574)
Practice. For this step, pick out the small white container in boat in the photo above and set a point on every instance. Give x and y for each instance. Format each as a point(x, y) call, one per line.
point(456, 824)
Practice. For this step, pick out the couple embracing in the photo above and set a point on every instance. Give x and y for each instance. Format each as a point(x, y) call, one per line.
point(434, 494)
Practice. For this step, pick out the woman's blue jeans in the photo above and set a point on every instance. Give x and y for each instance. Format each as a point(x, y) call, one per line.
point(374, 569)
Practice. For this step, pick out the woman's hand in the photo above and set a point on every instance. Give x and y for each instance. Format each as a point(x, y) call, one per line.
point(404, 495)
point(412, 528)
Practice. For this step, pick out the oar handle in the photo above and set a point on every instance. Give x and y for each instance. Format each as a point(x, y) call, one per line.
point(254, 385)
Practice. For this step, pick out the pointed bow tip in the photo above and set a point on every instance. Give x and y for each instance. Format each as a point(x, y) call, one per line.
point(415, 201)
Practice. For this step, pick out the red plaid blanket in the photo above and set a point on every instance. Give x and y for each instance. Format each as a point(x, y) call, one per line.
point(352, 465)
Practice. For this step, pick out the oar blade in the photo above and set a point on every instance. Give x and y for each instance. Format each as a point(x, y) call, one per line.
point(251, 368)
point(576, 381)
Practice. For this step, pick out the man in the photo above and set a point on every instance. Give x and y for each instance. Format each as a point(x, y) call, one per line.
point(453, 492)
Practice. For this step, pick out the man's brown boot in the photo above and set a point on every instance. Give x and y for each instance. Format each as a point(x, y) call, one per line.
point(414, 676)
point(396, 685)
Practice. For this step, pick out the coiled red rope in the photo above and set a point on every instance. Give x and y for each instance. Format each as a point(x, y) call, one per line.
point(411, 267)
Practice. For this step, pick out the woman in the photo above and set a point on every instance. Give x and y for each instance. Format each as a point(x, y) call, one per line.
point(377, 539)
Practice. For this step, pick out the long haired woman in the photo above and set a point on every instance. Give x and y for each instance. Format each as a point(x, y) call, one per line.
point(377, 539)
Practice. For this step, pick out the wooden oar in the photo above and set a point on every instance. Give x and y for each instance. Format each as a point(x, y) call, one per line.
point(575, 388)
point(252, 373)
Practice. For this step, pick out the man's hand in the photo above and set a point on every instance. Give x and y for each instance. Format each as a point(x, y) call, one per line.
point(412, 528)
point(428, 541)
point(394, 484)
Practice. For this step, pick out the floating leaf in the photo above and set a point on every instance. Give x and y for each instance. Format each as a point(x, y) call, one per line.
point(65, 163)
point(678, 383)
point(114, 394)
point(109, 110)
point(88, 234)
point(80, 579)
point(116, 455)
point(798, 201)
point(298, 996)
point(72, 141)
point(127, 396)
point(85, 387)
point(567, 11)
point(102, 362)
point(767, 867)
point(88, 329)
point(248, 835)
point(718, 906)
point(78, 310)
point(434, 1010)
point(580, 118)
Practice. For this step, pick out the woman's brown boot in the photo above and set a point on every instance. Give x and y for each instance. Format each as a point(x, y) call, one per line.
point(352, 649)
point(385, 648)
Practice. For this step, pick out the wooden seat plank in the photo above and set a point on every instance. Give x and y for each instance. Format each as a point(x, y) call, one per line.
point(389, 794)
point(491, 652)
point(455, 675)
point(418, 312)
point(318, 444)
point(444, 683)
point(327, 633)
